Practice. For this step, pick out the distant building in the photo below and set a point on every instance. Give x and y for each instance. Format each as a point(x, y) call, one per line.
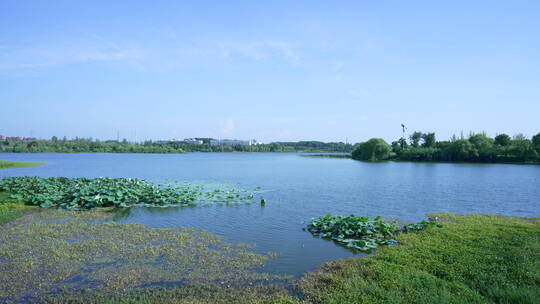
point(234, 142)
point(18, 138)
point(193, 141)
point(213, 142)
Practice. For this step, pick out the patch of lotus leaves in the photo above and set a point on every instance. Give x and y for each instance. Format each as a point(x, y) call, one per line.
point(87, 193)
point(68, 252)
point(361, 232)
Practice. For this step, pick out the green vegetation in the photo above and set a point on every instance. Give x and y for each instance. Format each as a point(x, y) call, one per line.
point(87, 193)
point(474, 259)
point(360, 232)
point(11, 209)
point(475, 148)
point(209, 294)
point(12, 165)
point(52, 252)
point(84, 145)
point(374, 149)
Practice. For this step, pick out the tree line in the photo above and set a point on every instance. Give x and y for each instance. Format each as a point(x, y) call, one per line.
point(89, 145)
point(475, 148)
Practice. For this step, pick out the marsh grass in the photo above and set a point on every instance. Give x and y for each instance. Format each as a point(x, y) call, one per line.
point(11, 209)
point(4, 164)
point(71, 253)
point(199, 294)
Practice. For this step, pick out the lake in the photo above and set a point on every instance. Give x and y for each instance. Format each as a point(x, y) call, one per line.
point(300, 188)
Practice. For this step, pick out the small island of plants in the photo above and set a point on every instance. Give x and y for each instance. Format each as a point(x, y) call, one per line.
point(4, 164)
point(361, 232)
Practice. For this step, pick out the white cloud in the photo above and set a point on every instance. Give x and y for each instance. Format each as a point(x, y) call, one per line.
point(93, 49)
point(258, 50)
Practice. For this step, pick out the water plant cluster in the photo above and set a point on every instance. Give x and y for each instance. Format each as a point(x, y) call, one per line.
point(60, 252)
point(87, 193)
point(361, 232)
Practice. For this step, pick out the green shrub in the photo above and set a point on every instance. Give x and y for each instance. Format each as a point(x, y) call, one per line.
point(372, 150)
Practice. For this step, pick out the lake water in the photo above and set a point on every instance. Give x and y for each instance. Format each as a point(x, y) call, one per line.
point(300, 188)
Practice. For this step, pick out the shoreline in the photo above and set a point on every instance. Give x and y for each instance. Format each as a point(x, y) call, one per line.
point(439, 257)
point(338, 155)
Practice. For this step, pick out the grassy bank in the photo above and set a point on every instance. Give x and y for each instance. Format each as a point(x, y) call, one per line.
point(473, 259)
point(4, 164)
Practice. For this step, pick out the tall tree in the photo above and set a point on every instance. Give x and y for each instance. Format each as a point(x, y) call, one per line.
point(415, 138)
point(502, 140)
point(536, 142)
point(429, 140)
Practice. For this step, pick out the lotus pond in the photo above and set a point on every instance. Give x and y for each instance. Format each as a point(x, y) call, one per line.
point(296, 190)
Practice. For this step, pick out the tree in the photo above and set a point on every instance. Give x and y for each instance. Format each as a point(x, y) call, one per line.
point(415, 138)
point(522, 150)
point(502, 140)
point(429, 140)
point(373, 150)
point(461, 150)
point(483, 146)
point(536, 142)
point(402, 143)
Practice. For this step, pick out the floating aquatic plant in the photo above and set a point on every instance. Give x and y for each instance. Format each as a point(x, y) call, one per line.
point(87, 193)
point(57, 252)
point(361, 232)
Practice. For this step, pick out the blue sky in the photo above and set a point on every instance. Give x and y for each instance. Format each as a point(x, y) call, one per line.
point(270, 70)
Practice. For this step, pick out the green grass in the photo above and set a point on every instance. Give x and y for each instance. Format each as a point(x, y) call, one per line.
point(473, 259)
point(4, 164)
point(11, 209)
